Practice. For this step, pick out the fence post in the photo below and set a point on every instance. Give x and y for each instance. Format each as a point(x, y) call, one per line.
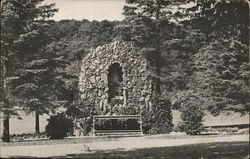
point(141, 124)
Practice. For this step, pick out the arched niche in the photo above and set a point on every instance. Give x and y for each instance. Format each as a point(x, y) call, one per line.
point(114, 81)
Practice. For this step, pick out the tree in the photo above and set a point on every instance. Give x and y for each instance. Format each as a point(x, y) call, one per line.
point(214, 53)
point(207, 54)
point(20, 34)
point(142, 25)
point(168, 48)
point(222, 63)
point(222, 74)
point(40, 84)
point(221, 19)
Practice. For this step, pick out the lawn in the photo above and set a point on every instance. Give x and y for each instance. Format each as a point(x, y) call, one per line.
point(220, 150)
point(152, 146)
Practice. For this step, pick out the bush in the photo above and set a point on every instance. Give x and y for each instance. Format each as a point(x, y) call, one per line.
point(58, 126)
point(86, 124)
point(83, 112)
point(192, 118)
point(159, 119)
point(221, 130)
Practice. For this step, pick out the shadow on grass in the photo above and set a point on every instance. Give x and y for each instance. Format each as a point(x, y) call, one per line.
point(221, 150)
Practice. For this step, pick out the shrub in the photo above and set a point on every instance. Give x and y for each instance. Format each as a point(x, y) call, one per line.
point(83, 112)
point(86, 124)
point(192, 118)
point(58, 126)
point(221, 129)
point(159, 119)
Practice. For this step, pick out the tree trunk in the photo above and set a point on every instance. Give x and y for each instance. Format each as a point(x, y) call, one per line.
point(158, 71)
point(37, 122)
point(6, 126)
point(6, 129)
point(158, 50)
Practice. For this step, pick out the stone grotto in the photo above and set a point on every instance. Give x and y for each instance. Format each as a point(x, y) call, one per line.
point(116, 76)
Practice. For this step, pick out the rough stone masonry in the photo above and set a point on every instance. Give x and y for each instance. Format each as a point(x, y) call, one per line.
point(116, 76)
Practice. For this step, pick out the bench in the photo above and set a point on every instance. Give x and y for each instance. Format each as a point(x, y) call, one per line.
point(123, 132)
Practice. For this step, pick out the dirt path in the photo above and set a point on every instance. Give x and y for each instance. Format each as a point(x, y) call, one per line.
point(124, 144)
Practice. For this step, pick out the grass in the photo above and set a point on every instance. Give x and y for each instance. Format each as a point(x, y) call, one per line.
point(221, 150)
point(215, 150)
point(89, 139)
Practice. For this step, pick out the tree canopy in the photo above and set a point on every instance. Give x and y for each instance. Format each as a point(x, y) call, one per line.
point(23, 35)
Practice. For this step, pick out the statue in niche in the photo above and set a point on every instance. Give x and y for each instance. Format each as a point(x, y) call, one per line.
point(114, 81)
point(103, 102)
point(101, 106)
point(148, 104)
point(125, 97)
point(141, 103)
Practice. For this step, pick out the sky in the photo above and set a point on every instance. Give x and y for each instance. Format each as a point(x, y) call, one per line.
point(88, 9)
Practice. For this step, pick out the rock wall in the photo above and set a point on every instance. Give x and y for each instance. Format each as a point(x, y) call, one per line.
point(136, 85)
